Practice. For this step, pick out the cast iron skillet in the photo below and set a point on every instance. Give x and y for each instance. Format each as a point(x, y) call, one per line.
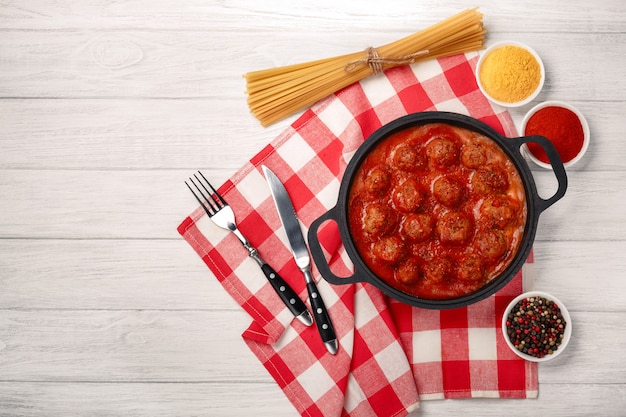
point(511, 147)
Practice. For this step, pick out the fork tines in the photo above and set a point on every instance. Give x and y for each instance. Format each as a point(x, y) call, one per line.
point(211, 201)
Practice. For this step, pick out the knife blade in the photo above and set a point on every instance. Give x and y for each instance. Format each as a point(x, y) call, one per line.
point(300, 253)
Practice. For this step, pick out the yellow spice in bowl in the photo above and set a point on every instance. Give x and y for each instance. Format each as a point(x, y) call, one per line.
point(510, 74)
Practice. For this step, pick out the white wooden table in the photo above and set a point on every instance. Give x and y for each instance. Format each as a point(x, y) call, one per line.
point(107, 106)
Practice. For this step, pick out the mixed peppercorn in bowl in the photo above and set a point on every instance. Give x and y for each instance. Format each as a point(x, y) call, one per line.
point(536, 326)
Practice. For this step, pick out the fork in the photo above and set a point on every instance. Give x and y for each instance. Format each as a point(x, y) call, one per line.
point(223, 216)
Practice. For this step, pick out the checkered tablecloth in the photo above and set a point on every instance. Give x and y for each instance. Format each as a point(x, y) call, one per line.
point(391, 355)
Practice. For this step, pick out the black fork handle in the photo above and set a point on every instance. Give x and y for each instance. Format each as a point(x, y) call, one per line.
point(284, 291)
point(287, 294)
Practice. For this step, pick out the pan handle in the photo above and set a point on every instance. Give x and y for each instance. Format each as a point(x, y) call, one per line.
point(557, 167)
point(318, 254)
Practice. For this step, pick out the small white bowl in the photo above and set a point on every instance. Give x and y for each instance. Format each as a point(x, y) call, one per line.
point(567, 331)
point(498, 45)
point(583, 122)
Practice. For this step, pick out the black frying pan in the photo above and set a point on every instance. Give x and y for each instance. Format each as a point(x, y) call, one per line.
point(511, 147)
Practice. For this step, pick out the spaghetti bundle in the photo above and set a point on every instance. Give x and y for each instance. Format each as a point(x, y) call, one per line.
point(276, 93)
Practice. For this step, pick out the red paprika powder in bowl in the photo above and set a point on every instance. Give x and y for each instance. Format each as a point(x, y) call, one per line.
point(563, 125)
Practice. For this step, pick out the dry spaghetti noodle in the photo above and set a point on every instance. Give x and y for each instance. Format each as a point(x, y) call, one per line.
point(276, 93)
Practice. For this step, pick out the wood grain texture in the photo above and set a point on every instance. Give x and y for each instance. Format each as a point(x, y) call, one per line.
point(181, 346)
point(117, 134)
point(151, 64)
point(126, 274)
point(107, 106)
point(557, 16)
point(147, 204)
point(180, 400)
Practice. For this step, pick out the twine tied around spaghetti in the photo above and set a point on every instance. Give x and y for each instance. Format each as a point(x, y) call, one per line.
point(375, 62)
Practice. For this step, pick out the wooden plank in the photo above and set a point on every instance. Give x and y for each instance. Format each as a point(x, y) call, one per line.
point(168, 275)
point(582, 273)
point(588, 211)
point(68, 204)
point(126, 346)
point(206, 346)
point(109, 274)
point(137, 133)
point(129, 133)
point(224, 399)
point(158, 64)
point(94, 204)
point(367, 15)
point(130, 399)
point(559, 400)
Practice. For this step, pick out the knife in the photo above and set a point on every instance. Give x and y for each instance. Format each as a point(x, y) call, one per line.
point(300, 253)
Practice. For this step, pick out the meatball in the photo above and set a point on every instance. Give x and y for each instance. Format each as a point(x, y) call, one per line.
point(438, 270)
point(454, 228)
point(491, 244)
point(378, 181)
point(470, 268)
point(473, 155)
point(408, 272)
point(443, 151)
point(499, 210)
point(389, 250)
point(407, 158)
point(379, 219)
point(407, 196)
point(490, 179)
point(448, 191)
point(417, 227)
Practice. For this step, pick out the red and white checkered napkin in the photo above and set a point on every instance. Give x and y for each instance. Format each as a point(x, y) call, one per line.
point(391, 355)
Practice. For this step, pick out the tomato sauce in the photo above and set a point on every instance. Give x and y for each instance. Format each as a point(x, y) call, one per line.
point(437, 211)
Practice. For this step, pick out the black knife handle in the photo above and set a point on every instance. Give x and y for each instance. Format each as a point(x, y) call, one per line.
point(284, 291)
point(322, 319)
